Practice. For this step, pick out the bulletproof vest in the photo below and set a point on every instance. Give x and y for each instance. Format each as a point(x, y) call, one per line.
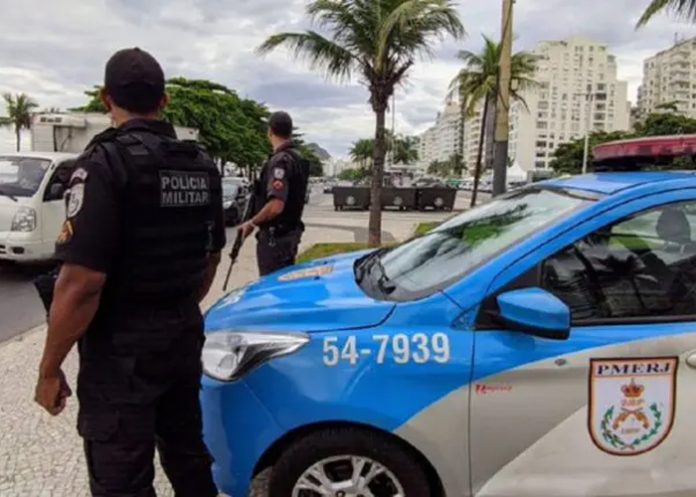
point(298, 178)
point(171, 193)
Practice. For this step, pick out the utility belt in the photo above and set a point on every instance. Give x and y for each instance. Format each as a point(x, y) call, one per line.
point(273, 232)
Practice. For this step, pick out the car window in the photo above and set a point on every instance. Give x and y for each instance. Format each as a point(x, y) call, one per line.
point(641, 267)
point(61, 178)
point(433, 262)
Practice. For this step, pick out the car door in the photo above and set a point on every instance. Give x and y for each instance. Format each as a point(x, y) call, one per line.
point(608, 411)
point(53, 206)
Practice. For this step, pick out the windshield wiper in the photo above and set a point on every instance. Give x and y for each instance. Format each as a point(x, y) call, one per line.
point(384, 283)
point(8, 195)
point(362, 266)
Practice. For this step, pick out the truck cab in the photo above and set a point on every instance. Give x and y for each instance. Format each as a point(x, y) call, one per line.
point(32, 203)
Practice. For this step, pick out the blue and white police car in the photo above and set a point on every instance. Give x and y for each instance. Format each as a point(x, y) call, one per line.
point(542, 345)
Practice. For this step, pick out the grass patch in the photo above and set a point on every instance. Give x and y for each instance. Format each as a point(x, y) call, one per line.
point(424, 228)
point(321, 250)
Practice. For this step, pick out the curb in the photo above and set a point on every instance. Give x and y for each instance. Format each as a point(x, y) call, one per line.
point(22, 336)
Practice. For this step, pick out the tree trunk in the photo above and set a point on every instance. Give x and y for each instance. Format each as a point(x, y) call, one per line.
point(375, 226)
point(462, 120)
point(18, 133)
point(490, 133)
point(479, 157)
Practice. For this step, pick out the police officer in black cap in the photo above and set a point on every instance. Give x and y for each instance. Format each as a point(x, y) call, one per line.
point(279, 200)
point(139, 248)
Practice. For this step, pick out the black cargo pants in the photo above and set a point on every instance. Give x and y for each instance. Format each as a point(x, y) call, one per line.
point(274, 253)
point(130, 405)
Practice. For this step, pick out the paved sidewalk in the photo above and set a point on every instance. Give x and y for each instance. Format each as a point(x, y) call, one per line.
point(41, 456)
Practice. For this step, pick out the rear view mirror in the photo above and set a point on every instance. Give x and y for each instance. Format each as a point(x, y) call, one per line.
point(536, 312)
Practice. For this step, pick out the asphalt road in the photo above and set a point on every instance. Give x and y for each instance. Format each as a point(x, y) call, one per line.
point(21, 308)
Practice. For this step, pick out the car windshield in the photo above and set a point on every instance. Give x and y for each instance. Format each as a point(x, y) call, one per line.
point(21, 176)
point(430, 263)
point(229, 189)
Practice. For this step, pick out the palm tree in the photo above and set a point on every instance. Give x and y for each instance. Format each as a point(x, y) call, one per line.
point(478, 82)
point(405, 149)
point(19, 113)
point(378, 41)
point(362, 152)
point(682, 8)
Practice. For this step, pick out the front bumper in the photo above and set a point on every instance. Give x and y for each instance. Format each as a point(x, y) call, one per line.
point(23, 247)
point(238, 430)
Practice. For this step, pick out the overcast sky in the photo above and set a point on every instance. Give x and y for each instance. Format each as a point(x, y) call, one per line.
point(53, 50)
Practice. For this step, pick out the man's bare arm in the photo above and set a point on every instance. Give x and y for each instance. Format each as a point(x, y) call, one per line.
point(213, 263)
point(270, 211)
point(75, 303)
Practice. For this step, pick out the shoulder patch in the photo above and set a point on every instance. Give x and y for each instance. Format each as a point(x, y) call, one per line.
point(66, 232)
point(80, 174)
point(279, 173)
point(77, 196)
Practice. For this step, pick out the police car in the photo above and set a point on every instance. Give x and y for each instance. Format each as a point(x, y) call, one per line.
point(541, 345)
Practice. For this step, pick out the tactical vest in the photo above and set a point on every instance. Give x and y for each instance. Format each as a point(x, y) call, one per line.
point(171, 194)
point(298, 178)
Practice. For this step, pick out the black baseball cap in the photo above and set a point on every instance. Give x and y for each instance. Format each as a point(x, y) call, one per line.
point(134, 80)
point(281, 124)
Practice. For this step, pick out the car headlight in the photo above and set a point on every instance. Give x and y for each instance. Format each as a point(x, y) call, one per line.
point(227, 204)
point(229, 355)
point(24, 220)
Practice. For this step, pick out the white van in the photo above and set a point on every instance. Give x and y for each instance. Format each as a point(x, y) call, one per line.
point(32, 203)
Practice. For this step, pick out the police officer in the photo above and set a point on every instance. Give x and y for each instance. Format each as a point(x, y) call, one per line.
point(279, 199)
point(139, 248)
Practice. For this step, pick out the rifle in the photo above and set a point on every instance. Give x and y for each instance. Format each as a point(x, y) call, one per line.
point(238, 242)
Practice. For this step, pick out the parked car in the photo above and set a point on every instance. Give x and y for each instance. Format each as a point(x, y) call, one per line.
point(234, 196)
point(33, 186)
point(540, 345)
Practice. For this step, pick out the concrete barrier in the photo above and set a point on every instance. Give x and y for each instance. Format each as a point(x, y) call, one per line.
point(351, 197)
point(441, 199)
point(399, 198)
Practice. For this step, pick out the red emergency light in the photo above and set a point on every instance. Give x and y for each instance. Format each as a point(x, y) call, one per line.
point(647, 149)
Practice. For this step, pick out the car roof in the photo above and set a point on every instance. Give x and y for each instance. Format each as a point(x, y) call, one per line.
point(52, 156)
point(613, 182)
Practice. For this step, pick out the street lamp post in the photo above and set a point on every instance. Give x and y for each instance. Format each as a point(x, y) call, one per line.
point(589, 97)
point(586, 151)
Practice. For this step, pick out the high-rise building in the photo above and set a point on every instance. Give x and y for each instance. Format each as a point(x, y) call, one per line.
point(669, 81)
point(443, 140)
point(578, 91)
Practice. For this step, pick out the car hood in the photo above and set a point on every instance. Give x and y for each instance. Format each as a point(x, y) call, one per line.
point(318, 296)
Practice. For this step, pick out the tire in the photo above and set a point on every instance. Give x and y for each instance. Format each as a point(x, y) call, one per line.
point(330, 443)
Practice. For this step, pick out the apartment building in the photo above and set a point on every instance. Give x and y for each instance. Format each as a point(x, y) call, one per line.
point(443, 140)
point(669, 81)
point(578, 91)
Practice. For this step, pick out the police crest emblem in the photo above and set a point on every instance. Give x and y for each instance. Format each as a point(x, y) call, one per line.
point(76, 199)
point(632, 403)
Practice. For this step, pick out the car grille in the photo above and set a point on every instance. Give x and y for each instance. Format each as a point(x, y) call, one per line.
point(3, 249)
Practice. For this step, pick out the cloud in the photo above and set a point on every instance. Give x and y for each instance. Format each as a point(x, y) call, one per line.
point(56, 50)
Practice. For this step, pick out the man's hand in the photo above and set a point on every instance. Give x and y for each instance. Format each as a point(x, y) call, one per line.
point(247, 229)
point(52, 392)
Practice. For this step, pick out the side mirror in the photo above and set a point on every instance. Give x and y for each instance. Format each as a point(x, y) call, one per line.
point(56, 191)
point(536, 312)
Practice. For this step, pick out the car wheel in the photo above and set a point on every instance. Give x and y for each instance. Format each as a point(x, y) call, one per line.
point(348, 462)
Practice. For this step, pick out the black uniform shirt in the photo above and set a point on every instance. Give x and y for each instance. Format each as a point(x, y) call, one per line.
point(278, 173)
point(282, 179)
point(91, 234)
